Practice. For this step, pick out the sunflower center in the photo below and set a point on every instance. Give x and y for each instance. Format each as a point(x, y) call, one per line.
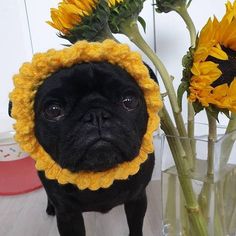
point(227, 67)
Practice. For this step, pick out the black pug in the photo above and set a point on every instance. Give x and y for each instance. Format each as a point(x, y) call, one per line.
point(93, 123)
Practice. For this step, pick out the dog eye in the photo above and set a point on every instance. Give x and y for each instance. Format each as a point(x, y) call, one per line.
point(54, 112)
point(130, 102)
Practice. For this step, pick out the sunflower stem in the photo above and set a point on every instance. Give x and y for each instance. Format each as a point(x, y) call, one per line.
point(193, 210)
point(170, 209)
point(228, 143)
point(183, 12)
point(105, 34)
point(131, 30)
point(204, 198)
point(180, 147)
point(183, 215)
point(232, 123)
point(211, 144)
point(191, 131)
point(229, 183)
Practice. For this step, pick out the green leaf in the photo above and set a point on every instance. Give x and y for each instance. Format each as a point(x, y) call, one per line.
point(116, 10)
point(226, 112)
point(180, 92)
point(187, 62)
point(188, 4)
point(187, 59)
point(142, 22)
point(197, 106)
point(214, 112)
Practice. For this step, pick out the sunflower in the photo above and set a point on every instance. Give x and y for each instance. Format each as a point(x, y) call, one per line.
point(212, 84)
point(122, 12)
point(81, 19)
point(170, 5)
point(70, 13)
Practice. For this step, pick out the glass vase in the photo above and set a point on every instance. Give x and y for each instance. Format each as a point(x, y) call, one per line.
point(211, 183)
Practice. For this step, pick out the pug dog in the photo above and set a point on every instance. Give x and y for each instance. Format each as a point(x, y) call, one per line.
point(93, 124)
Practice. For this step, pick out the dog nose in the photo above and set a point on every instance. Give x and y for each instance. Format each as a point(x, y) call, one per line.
point(96, 117)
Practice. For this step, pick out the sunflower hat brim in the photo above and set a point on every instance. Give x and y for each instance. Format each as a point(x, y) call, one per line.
point(213, 79)
point(31, 75)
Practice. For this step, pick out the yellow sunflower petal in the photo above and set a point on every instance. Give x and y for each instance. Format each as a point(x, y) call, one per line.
point(206, 32)
point(220, 91)
point(232, 88)
point(65, 20)
point(230, 10)
point(71, 9)
point(218, 53)
point(57, 26)
point(195, 70)
point(56, 19)
point(85, 6)
point(112, 3)
point(228, 38)
point(232, 43)
point(208, 68)
point(70, 13)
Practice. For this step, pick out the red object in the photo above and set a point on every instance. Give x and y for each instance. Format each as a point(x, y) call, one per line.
point(17, 177)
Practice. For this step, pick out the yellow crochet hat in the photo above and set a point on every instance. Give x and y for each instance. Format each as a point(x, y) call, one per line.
point(31, 75)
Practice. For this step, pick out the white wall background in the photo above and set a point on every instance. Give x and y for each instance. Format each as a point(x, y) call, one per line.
point(24, 31)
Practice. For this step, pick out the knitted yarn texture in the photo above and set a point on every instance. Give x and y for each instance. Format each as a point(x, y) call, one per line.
point(32, 74)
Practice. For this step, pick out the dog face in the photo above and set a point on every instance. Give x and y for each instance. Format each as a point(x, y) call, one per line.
point(90, 117)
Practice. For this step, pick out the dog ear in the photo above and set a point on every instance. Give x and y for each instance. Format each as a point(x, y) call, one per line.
point(9, 108)
point(151, 73)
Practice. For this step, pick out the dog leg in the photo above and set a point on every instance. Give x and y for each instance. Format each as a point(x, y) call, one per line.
point(50, 208)
point(135, 211)
point(70, 224)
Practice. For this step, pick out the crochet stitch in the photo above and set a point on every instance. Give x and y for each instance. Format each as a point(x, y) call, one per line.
point(32, 75)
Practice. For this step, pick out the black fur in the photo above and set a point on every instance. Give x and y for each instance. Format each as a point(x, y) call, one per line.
point(96, 132)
